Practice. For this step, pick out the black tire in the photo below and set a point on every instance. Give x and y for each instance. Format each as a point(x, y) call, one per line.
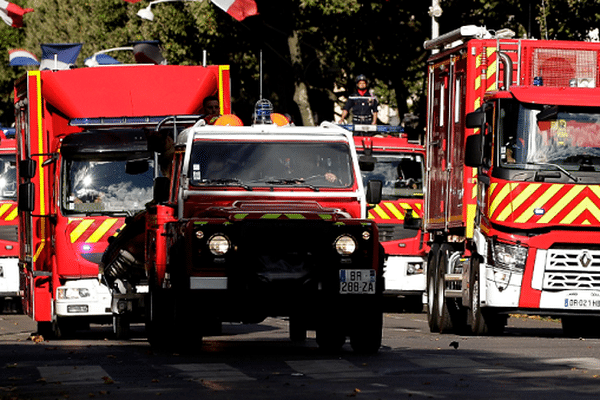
point(444, 319)
point(432, 306)
point(297, 327)
point(45, 330)
point(483, 322)
point(121, 326)
point(413, 304)
point(159, 319)
point(330, 339)
point(366, 339)
point(580, 326)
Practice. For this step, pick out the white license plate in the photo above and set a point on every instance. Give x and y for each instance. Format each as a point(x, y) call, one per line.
point(357, 281)
point(585, 303)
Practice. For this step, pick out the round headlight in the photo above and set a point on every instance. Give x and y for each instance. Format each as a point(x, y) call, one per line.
point(345, 245)
point(218, 244)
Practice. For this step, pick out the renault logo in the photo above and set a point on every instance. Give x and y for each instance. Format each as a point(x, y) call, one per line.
point(585, 259)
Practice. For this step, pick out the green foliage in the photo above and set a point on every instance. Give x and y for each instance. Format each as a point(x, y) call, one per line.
point(337, 39)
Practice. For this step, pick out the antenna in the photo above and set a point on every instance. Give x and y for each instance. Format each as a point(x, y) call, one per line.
point(260, 75)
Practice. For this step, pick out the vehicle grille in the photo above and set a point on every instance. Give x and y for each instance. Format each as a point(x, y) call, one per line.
point(9, 233)
point(572, 269)
point(387, 233)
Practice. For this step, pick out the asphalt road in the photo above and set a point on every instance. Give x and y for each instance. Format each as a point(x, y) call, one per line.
point(531, 360)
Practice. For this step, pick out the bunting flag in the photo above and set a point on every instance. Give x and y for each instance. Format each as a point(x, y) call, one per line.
point(238, 9)
point(12, 14)
point(57, 56)
point(20, 57)
point(133, 1)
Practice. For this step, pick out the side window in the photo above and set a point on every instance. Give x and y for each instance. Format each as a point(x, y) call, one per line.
point(489, 135)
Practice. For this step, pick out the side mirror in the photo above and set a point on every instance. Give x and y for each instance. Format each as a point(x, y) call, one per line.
point(26, 199)
point(474, 152)
point(367, 163)
point(475, 119)
point(410, 222)
point(27, 168)
point(161, 189)
point(374, 189)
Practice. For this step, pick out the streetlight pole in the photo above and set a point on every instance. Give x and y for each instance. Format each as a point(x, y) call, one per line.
point(146, 13)
point(435, 11)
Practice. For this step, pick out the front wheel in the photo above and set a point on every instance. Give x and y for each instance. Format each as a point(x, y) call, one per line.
point(121, 326)
point(580, 326)
point(297, 327)
point(482, 322)
point(366, 339)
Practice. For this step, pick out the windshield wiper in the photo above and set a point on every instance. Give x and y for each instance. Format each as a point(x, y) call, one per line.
point(561, 169)
point(291, 181)
point(226, 182)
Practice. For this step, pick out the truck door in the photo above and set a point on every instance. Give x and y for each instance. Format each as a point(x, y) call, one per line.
point(437, 146)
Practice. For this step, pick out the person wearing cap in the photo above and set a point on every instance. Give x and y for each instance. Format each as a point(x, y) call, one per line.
point(362, 104)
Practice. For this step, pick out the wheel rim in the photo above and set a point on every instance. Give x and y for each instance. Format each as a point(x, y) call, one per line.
point(430, 294)
point(475, 298)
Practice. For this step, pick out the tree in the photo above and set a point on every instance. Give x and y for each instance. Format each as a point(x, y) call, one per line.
point(311, 49)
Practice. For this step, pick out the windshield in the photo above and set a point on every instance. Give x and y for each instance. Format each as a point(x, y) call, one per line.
point(401, 174)
point(549, 135)
point(8, 177)
point(267, 163)
point(106, 187)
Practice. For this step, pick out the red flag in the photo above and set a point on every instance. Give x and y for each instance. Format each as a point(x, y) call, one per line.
point(12, 14)
point(132, 1)
point(238, 9)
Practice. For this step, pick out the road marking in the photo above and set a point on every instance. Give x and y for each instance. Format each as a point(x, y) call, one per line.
point(576, 362)
point(212, 372)
point(75, 374)
point(329, 369)
point(457, 365)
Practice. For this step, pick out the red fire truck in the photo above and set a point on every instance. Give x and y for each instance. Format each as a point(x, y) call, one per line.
point(84, 166)
point(9, 247)
point(513, 181)
point(400, 166)
point(259, 221)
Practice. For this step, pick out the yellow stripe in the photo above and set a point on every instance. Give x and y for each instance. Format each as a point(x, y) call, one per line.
point(82, 227)
point(271, 216)
point(586, 204)
point(221, 94)
point(4, 208)
point(42, 187)
point(471, 213)
point(101, 231)
point(474, 182)
point(519, 200)
point(539, 202)
point(497, 199)
point(13, 214)
point(395, 211)
point(380, 212)
point(560, 205)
